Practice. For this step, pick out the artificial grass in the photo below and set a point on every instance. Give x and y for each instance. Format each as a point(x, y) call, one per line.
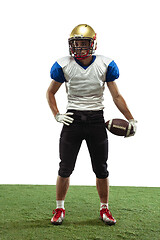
point(26, 211)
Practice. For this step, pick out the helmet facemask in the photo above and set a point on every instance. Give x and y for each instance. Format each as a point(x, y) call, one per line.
point(81, 47)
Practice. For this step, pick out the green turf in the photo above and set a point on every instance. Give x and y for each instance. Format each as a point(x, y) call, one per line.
point(26, 212)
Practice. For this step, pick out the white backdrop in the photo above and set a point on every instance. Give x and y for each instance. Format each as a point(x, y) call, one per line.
point(34, 34)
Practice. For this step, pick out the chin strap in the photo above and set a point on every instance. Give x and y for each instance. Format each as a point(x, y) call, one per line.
point(79, 57)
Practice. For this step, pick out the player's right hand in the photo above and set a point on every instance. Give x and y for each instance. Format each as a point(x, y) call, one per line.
point(63, 118)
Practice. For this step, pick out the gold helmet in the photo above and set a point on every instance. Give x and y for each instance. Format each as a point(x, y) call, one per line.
point(79, 33)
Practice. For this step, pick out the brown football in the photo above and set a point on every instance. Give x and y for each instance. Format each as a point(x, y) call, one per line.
point(119, 127)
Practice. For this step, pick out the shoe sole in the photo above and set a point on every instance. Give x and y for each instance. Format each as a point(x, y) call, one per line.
point(110, 223)
point(56, 223)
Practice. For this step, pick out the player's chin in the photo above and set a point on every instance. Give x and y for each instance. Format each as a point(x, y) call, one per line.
point(82, 53)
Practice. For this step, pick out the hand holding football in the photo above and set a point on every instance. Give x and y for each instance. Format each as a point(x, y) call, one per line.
point(120, 127)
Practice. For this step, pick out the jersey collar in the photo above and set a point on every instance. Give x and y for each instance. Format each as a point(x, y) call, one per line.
point(85, 67)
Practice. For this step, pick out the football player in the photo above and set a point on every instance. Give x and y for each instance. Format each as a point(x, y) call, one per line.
point(85, 76)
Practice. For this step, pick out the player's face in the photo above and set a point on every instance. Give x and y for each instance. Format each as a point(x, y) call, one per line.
point(81, 46)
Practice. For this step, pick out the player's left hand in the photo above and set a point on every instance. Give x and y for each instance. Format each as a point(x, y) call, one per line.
point(133, 123)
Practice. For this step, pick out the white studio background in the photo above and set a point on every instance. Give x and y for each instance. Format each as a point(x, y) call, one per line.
point(34, 34)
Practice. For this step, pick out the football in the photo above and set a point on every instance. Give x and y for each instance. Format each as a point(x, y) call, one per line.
point(119, 127)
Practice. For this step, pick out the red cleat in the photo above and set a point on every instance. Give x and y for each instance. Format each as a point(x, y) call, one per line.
point(59, 214)
point(106, 216)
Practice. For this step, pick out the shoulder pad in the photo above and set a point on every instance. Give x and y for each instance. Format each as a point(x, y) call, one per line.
point(105, 60)
point(64, 61)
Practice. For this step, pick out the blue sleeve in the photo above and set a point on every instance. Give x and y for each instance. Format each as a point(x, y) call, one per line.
point(112, 72)
point(56, 73)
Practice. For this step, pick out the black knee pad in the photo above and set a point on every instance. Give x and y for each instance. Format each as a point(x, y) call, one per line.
point(102, 175)
point(65, 171)
point(101, 171)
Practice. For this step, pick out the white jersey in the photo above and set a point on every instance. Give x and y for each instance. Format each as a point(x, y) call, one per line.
point(85, 84)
